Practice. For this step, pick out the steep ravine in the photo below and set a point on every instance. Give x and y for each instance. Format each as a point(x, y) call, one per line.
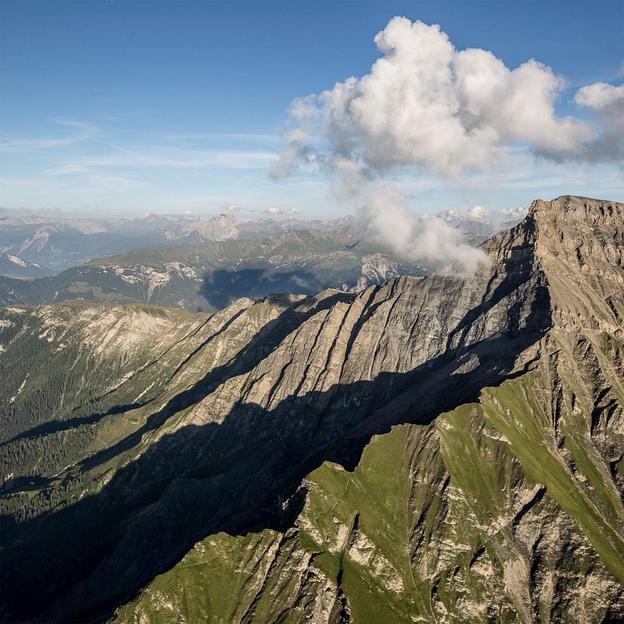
point(264, 479)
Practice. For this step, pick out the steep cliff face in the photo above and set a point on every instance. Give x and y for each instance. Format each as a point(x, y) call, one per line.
point(267, 462)
point(506, 509)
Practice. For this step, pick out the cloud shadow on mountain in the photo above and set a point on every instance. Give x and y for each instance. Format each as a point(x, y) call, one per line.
point(223, 286)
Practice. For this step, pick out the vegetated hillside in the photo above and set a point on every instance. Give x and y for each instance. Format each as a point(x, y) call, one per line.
point(210, 276)
point(59, 241)
point(431, 449)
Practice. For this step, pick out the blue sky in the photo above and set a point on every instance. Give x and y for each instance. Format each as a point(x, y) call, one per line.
point(129, 107)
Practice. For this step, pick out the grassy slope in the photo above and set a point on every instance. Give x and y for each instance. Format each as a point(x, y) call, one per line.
point(436, 521)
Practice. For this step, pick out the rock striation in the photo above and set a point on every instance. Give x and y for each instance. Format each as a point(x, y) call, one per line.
point(434, 449)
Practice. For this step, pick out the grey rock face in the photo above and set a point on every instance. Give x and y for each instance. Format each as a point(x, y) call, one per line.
point(502, 486)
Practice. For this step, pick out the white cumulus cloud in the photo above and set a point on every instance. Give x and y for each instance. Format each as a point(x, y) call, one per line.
point(478, 213)
point(427, 240)
point(426, 104)
point(606, 101)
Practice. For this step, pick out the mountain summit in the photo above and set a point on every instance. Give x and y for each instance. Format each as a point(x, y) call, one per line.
point(437, 449)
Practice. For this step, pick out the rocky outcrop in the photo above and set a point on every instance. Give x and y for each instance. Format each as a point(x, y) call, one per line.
point(428, 449)
point(376, 269)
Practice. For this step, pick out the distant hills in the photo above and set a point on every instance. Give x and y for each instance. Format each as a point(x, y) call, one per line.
point(55, 243)
point(211, 275)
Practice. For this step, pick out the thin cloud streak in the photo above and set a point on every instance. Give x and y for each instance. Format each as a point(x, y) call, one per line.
point(164, 158)
point(79, 132)
point(87, 149)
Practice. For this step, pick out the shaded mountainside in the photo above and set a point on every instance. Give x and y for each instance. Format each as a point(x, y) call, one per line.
point(426, 450)
point(15, 267)
point(212, 275)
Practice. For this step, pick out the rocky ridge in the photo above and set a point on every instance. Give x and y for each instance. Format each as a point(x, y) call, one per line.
point(210, 276)
point(430, 449)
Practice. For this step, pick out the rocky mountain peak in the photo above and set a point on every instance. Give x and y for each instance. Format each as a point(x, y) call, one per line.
point(580, 246)
point(482, 416)
point(582, 229)
point(582, 207)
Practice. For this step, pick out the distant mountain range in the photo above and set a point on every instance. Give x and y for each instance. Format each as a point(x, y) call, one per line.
point(211, 275)
point(480, 223)
point(56, 243)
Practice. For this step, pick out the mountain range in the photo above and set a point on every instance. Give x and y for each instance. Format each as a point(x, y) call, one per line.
point(211, 275)
point(202, 264)
point(425, 449)
point(56, 242)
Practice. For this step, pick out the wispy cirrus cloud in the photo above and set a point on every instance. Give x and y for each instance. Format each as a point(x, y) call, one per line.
point(202, 137)
point(163, 157)
point(84, 164)
point(79, 158)
point(87, 183)
point(84, 146)
point(74, 133)
point(78, 164)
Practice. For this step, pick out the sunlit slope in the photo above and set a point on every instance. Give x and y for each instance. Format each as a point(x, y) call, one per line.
point(509, 509)
point(429, 449)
